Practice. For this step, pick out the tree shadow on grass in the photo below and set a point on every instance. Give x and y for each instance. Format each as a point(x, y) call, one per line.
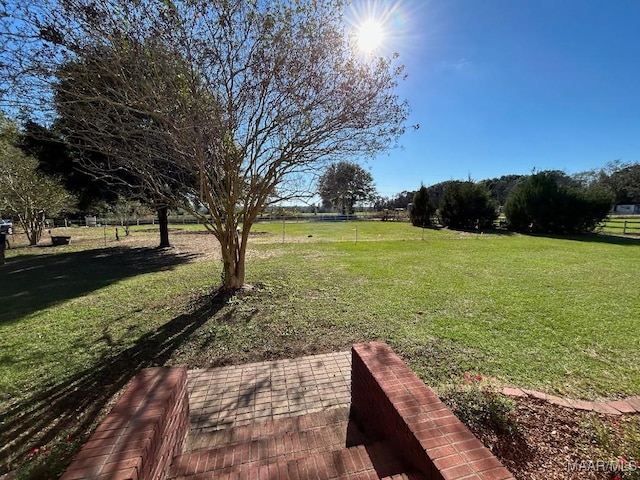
point(34, 282)
point(489, 231)
point(594, 238)
point(73, 406)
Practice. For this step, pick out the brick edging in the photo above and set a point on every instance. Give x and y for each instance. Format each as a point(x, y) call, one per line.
point(145, 429)
point(629, 405)
point(390, 403)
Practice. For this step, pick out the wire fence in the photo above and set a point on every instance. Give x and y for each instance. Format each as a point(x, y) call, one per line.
point(620, 225)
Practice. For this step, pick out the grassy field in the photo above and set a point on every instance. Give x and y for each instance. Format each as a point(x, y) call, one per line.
point(556, 314)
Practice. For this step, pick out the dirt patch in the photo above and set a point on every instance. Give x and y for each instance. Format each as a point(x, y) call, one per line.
point(205, 246)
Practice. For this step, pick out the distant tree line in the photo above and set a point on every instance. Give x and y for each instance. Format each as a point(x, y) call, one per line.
point(620, 179)
point(400, 200)
point(545, 202)
point(549, 201)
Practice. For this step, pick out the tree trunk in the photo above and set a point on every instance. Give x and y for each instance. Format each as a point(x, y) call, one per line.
point(163, 221)
point(33, 227)
point(3, 244)
point(233, 275)
point(233, 259)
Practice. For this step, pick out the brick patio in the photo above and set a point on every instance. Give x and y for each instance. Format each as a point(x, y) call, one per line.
point(239, 395)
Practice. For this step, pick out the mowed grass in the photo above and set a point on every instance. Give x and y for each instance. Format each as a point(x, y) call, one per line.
point(560, 315)
point(556, 314)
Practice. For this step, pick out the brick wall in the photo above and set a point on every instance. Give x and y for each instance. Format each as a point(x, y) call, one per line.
point(389, 402)
point(142, 433)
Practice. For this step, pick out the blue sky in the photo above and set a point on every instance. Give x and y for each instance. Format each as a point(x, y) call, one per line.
point(506, 86)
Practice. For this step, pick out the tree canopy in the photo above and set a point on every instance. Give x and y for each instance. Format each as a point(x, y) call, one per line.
point(56, 159)
point(500, 188)
point(624, 181)
point(343, 184)
point(210, 104)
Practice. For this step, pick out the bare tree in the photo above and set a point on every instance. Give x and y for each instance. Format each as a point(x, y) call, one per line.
point(212, 104)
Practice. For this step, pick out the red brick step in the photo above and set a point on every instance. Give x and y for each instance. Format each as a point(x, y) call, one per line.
point(345, 463)
point(324, 429)
point(299, 447)
point(262, 449)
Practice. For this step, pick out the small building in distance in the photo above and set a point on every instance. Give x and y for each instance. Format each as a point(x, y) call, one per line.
point(626, 209)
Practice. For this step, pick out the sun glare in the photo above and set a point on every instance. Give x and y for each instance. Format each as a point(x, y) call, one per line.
point(370, 35)
point(377, 27)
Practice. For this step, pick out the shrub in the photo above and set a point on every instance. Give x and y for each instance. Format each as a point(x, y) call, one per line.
point(466, 205)
point(541, 203)
point(479, 407)
point(618, 442)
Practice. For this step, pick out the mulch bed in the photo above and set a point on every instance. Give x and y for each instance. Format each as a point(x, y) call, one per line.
point(552, 439)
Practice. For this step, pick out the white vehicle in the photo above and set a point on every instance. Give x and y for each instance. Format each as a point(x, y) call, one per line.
point(6, 226)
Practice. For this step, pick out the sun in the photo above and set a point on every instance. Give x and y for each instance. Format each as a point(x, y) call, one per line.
point(370, 35)
point(377, 27)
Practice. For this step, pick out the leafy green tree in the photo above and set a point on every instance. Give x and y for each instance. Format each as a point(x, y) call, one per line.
point(344, 184)
point(466, 205)
point(56, 158)
point(625, 184)
point(436, 192)
point(235, 100)
point(544, 202)
point(28, 195)
point(422, 208)
point(500, 188)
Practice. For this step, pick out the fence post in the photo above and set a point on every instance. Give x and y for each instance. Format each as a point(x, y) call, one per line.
point(624, 229)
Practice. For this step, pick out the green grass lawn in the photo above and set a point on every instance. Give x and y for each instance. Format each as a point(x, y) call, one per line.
point(561, 315)
point(555, 314)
